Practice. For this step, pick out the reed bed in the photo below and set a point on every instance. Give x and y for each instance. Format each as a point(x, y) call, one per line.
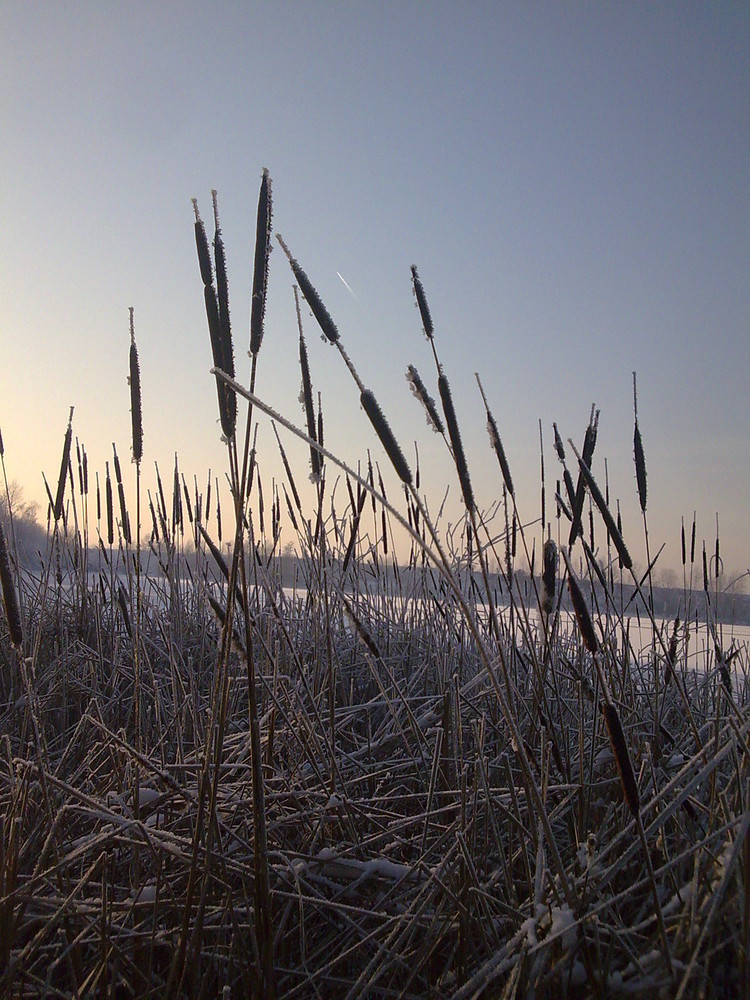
point(225, 772)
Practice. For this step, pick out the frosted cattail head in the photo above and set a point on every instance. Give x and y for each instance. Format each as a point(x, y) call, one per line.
point(311, 296)
point(454, 433)
point(419, 389)
point(549, 575)
point(201, 243)
point(260, 269)
point(424, 309)
point(306, 396)
point(387, 439)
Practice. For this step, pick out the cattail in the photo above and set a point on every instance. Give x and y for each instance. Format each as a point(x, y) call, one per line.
point(419, 389)
point(219, 332)
point(288, 470)
point(589, 444)
point(10, 598)
point(558, 444)
point(80, 467)
point(215, 552)
point(549, 574)
point(312, 298)
point(622, 757)
point(459, 456)
point(682, 541)
point(135, 395)
point(201, 242)
point(496, 442)
point(382, 428)
point(218, 509)
point(306, 395)
point(424, 309)
point(154, 523)
point(123, 602)
point(121, 495)
point(222, 292)
point(110, 511)
point(614, 531)
point(360, 628)
point(497, 445)
point(188, 504)
point(717, 560)
point(64, 464)
point(581, 610)
point(544, 485)
point(260, 269)
point(692, 543)
point(705, 569)
point(640, 458)
point(98, 500)
point(671, 653)
point(176, 498)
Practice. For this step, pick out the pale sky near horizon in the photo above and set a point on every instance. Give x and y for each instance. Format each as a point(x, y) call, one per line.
point(573, 182)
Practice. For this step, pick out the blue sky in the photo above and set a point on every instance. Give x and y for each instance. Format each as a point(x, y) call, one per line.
point(573, 182)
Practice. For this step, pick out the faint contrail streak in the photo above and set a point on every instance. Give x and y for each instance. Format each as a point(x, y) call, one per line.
point(349, 287)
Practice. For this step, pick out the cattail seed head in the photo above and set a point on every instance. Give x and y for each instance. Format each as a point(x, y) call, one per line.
point(598, 499)
point(201, 242)
point(549, 574)
point(311, 296)
point(581, 610)
point(454, 433)
point(424, 309)
point(222, 294)
point(497, 445)
point(135, 396)
point(622, 757)
point(640, 466)
point(64, 465)
point(419, 389)
point(110, 510)
point(260, 268)
point(307, 396)
point(387, 439)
